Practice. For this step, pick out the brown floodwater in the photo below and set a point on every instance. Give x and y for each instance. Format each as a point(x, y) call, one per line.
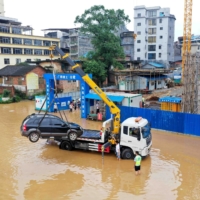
point(37, 171)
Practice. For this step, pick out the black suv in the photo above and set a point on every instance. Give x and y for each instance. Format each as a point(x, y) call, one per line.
point(50, 126)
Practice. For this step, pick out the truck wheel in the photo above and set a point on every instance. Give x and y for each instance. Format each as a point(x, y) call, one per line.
point(34, 136)
point(72, 136)
point(127, 154)
point(66, 146)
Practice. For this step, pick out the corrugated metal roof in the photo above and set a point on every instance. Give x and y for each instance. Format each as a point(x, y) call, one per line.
point(112, 98)
point(170, 99)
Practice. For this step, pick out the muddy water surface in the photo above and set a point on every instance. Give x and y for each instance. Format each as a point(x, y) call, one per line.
point(38, 171)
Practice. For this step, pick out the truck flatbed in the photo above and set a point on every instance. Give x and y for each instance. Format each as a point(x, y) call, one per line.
point(90, 134)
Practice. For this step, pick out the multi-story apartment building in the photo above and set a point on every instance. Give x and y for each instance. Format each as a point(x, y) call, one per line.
point(18, 44)
point(154, 27)
point(71, 39)
point(80, 44)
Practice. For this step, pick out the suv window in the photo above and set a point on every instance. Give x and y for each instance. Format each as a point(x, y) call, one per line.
point(45, 121)
point(57, 122)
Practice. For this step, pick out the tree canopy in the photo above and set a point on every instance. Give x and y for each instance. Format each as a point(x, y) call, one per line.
point(102, 24)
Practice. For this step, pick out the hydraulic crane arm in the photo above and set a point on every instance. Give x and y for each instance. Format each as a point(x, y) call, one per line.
point(113, 108)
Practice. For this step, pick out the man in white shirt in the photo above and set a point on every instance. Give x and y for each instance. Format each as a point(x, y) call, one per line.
point(97, 107)
point(117, 150)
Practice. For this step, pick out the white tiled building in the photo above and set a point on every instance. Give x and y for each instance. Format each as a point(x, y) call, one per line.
point(154, 27)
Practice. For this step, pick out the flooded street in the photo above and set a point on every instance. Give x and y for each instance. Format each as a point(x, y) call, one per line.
point(37, 171)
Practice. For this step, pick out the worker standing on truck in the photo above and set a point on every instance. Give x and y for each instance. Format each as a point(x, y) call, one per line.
point(137, 161)
point(117, 150)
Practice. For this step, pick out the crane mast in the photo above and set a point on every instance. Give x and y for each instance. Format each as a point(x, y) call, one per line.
point(186, 33)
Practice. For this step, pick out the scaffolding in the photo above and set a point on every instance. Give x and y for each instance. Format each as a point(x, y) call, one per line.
point(191, 87)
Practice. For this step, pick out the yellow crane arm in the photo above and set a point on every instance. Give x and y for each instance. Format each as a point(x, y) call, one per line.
point(113, 108)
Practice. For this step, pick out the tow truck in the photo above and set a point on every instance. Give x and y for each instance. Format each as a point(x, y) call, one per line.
point(133, 134)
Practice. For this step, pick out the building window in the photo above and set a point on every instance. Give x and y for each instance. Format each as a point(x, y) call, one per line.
point(55, 43)
point(127, 48)
point(16, 30)
point(46, 52)
point(5, 50)
point(18, 60)
point(152, 13)
point(4, 29)
point(55, 53)
point(169, 54)
point(138, 41)
point(28, 51)
point(160, 46)
point(160, 55)
point(170, 36)
point(27, 41)
point(5, 40)
point(152, 39)
point(28, 60)
point(139, 14)
point(17, 41)
point(152, 22)
point(198, 48)
point(138, 24)
point(151, 56)
point(38, 42)
point(169, 45)
point(161, 14)
point(138, 50)
point(159, 82)
point(46, 43)
point(6, 61)
point(20, 80)
point(160, 21)
point(139, 33)
point(152, 83)
point(37, 52)
point(151, 47)
point(161, 37)
point(152, 31)
point(161, 28)
point(138, 58)
point(17, 51)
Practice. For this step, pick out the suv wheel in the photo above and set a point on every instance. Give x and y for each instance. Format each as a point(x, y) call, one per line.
point(34, 136)
point(72, 136)
point(66, 146)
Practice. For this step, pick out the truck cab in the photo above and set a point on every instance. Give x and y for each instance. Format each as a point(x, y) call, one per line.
point(135, 136)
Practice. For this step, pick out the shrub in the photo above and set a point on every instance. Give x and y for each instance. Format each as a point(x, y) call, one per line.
point(20, 94)
point(6, 93)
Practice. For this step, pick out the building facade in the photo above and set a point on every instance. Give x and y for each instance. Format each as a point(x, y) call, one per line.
point(127, 43)
point(80, 44)
point(2, 8)
point(18, 44)
point(154, 27)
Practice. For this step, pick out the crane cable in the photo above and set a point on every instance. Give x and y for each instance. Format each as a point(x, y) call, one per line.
point(56, 88)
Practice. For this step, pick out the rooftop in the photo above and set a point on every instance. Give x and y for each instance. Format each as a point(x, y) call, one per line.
point(16, 70)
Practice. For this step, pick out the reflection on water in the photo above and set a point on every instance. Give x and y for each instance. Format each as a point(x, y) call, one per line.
point(40, 171)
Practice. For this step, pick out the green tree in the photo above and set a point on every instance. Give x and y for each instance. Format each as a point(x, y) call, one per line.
point(97, 69)
point(101, 24)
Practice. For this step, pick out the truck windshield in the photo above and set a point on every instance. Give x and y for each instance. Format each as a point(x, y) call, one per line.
point(146, 131)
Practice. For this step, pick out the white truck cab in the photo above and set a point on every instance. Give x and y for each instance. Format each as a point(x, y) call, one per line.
point(135, 136)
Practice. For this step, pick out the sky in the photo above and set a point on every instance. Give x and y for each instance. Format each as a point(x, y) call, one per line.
point(43, 14)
